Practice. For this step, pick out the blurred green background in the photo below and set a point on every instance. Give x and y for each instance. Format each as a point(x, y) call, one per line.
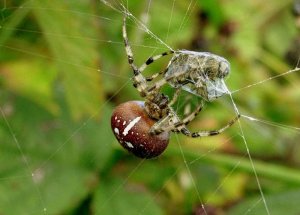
point(63, 69)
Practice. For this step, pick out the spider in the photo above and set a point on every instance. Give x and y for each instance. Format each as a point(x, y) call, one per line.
point(200, 73)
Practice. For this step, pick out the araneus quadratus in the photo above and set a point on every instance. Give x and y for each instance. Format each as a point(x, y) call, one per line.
point(143, 127)
point(200, 73)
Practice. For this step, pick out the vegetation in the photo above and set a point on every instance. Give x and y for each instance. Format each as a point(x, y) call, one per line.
point(63, 69)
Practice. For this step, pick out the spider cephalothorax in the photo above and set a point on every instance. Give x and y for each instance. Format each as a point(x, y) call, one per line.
point(157, 105)
point(200, 73)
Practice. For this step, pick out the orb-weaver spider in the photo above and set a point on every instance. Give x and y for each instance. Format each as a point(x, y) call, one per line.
point(200, 73)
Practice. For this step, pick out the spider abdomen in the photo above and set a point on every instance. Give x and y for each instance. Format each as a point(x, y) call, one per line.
point(131, 126)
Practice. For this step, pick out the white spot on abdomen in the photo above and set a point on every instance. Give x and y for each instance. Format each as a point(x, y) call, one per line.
point(116, 131)
point(129, 144)
point(130, 125)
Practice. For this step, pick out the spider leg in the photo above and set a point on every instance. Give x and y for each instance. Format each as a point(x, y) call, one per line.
point(150, 78)
point(175, 97)
point(177, 127)
point(128, 47)
point(193, 114)
point(160, 83)
point(186, 132)
point(154, 58)
point(166, 80)
point(139, 80)
point(167, 121)
point(172, 122)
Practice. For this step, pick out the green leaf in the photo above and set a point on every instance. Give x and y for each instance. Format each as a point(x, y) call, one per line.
point(75, 54)
point(33, 80)
point(214, 10)
point(114, 197)
point(11, 25)
point(54, 190)
point(53, 163)
point(284, 203)
point(98, 139)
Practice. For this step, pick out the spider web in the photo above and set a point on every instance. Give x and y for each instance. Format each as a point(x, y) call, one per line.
point(33, 173)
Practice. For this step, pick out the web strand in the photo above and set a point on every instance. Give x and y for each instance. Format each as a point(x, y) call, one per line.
point(250, 158)
point(138, 23)
point(30, 172)
point(185, 164)
point(190, 174)
point(278, 125)
point(265, 80)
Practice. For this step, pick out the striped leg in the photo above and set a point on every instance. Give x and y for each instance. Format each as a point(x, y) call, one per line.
point(156, 75)
point(139, 80)
point(208, 133)
point(128, 49)
point(177, 125)
point(175, 97)
point(192, 115)
point(151, 60)
point(164, 81)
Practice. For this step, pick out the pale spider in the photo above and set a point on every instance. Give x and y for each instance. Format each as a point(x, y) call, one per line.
point(200, 73)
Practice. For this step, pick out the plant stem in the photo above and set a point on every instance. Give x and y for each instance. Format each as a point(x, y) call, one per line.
point(242, 164)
